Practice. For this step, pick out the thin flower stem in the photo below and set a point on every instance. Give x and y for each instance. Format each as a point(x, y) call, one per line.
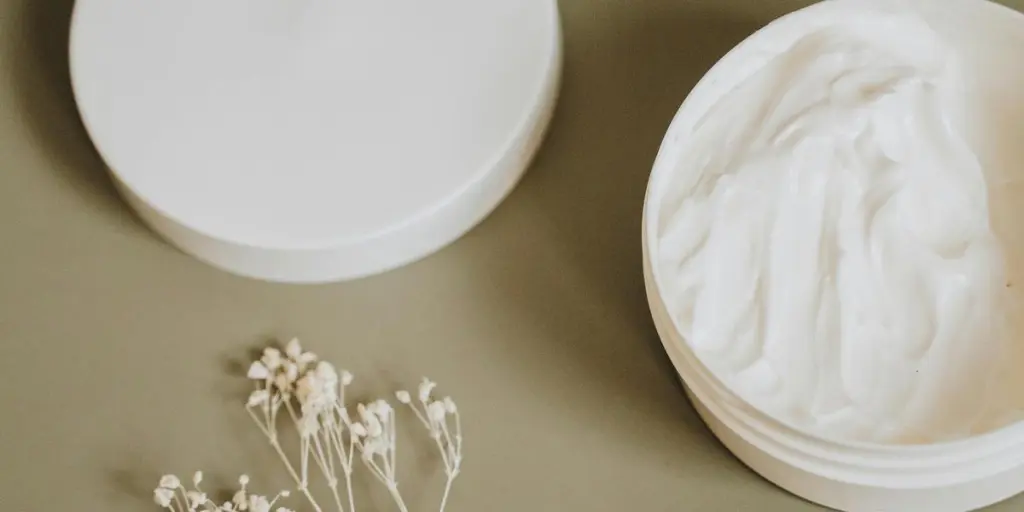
point(375, 469)
point(437, 439)
point(304, 447)
point(387, 481)
point(327, 465)
point(318, 455)
point(178, 500)
point(378, 475)
point(389, 473)
point(291, 470)
point(440, 448)
point(348, 474)
point(351, 451)
point(272, 420)
point(304, 451)
point(291, 413)
point(394, 441)
point(273, 501)
point(259, 423)
point(458, 430)
point(287, 463)
point(329, 442)
point(337, 497)
point(312, 501)
point(323, 459)
point(348, 490)
point(398, 498)
point(307, 449)
point(422, 418)
point(335, 440)
point(447, 489)
point(449, 447)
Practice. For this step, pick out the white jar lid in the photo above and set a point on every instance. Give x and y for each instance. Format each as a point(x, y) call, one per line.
point(315, 140)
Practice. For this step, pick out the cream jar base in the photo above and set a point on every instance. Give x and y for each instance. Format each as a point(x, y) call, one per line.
point(963, 475)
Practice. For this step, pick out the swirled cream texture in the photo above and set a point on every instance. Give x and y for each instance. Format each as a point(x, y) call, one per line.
point(824, 245)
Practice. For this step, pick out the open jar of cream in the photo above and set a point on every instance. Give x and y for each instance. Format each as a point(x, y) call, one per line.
point(830, 251)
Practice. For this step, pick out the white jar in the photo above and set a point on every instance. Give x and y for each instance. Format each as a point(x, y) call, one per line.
point(859, 476)
point(318, 140)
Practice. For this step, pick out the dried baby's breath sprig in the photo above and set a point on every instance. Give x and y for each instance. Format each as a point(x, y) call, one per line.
point(374, 436)
point(311, 394)
point(173, 496)
point(278, 380)
point(441, 418)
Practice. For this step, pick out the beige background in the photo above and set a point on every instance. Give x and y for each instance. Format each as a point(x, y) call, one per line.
point(120, 355)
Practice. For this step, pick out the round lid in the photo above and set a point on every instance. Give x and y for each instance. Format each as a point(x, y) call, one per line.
point(307, 124)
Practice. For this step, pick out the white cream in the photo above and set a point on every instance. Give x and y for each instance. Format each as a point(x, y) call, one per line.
point(825, 245)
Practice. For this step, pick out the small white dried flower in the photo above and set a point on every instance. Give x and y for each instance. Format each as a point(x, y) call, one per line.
point(170, 482)
point(380, 408)
point(259, 503)
point(271, 358)
point(374, 429)
point(426, 387)
point(293, 349)
point(243, 480)
point(163, 496)
point(316, 393)
point(309, 425)
point(240, 500)
point(346, 378)
point(373, 446)
point(195, 499)
point(326, 372)
point(258, 371)
point(307, 388)
point(358, 430)
point(197, 478)
point(436, 411)
point(282, 384)
point(371, 419)
point(258, 397)
point(306, 359)
point(291, 371)
point(449, 405)
point(403, 396)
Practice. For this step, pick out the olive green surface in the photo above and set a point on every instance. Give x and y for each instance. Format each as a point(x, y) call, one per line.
point(121, 358)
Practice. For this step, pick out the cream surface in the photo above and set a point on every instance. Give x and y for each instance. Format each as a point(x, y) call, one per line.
point(825, 245)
